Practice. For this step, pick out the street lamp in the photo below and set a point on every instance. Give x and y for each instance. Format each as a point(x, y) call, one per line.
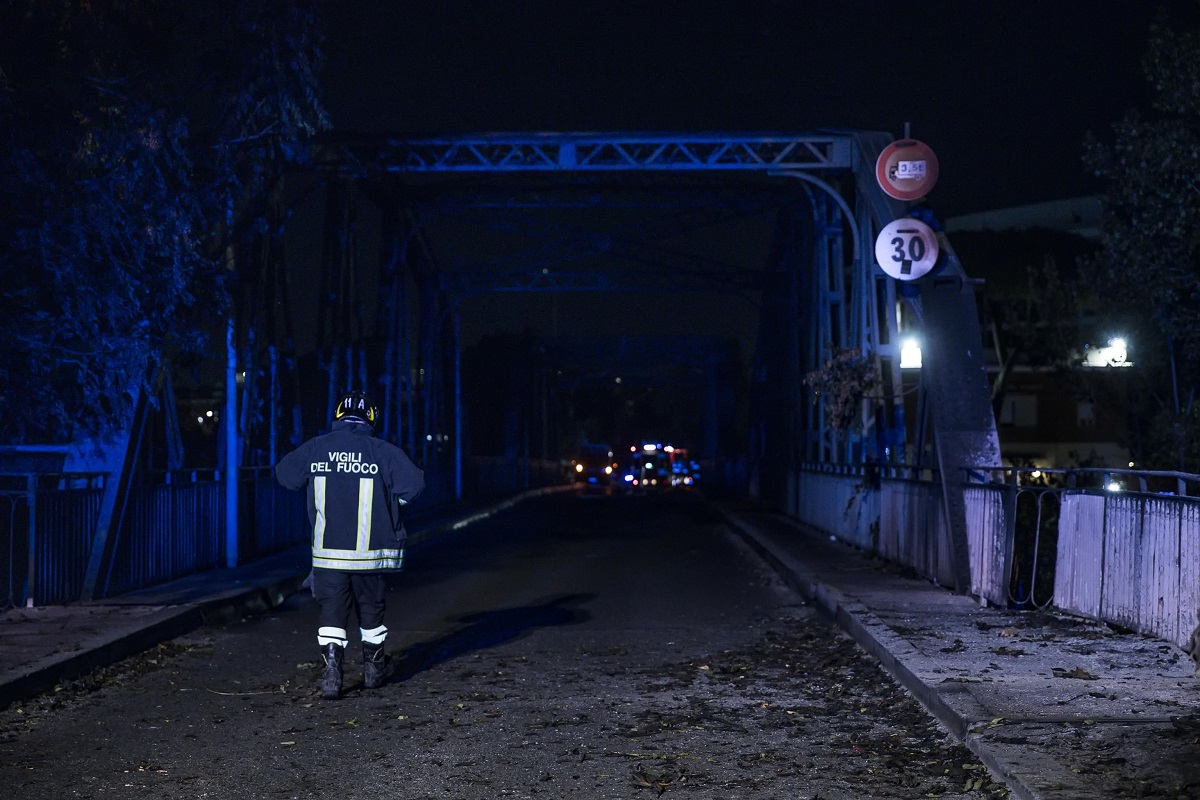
point(1114, 354)
point(910, 354)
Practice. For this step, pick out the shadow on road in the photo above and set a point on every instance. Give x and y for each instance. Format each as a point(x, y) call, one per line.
point(488, 628)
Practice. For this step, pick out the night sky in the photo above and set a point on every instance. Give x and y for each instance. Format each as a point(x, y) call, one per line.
point(1003, 91)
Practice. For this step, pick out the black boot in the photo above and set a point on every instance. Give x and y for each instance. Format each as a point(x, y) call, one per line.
point(331, 678)
point(377, 665)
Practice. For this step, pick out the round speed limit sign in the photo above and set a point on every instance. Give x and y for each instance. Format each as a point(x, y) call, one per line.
point(906, 249)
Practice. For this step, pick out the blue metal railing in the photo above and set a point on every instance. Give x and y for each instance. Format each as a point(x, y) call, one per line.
point(174, 524)
point(172, 527)
point(46, 523)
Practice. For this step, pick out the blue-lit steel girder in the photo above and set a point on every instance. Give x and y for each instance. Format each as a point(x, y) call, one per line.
point(475, 282)
point(631, 214)
point(523, 198)
point(575, 239)
point(666, 264)
point(586, 152)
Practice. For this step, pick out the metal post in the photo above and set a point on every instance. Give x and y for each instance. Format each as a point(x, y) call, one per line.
point(229, 421)
point(1004, 591)
point(458, 454)
point(272, 405)
point(112, 505)
point(272, 424)
point(31, 578)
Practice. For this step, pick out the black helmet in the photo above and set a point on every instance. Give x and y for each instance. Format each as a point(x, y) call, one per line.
point(356, 405)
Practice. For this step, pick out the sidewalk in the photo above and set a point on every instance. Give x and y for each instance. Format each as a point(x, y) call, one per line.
point(1058, 707)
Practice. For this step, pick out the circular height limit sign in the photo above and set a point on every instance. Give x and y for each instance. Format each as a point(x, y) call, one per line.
point(906, 249)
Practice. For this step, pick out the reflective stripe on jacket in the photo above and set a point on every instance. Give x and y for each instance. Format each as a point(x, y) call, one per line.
point(356, 486)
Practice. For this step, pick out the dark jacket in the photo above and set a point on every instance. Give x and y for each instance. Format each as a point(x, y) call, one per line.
point(357, 485)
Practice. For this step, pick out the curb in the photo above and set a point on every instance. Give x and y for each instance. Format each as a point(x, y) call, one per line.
point(255, 600)
point(40, 676)
point(895, 655)
point(143, 634)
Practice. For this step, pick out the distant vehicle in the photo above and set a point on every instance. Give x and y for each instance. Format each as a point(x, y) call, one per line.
point(653, 466)
point(684, 471)
point(649, 468)
point(594, 466)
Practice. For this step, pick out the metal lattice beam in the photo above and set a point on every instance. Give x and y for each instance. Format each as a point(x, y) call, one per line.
point(547, 280)
point(579, 152)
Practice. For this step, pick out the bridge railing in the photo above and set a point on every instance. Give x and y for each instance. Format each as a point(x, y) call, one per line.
point(1113, 545)
point(175, 524)
point(46, 523)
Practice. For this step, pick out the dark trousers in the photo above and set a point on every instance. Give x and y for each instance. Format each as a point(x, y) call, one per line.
point(340, 593)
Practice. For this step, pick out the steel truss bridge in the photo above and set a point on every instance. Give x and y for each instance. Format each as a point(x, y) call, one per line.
point(408, 239)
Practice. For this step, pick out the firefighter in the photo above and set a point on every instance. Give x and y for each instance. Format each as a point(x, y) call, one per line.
point(358, 486)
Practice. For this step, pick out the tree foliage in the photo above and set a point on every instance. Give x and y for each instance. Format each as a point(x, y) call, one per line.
point(1147, 269)
point(135, 139)
point(843, 382)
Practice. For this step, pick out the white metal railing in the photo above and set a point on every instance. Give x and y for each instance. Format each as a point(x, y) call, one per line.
point(1098, 543)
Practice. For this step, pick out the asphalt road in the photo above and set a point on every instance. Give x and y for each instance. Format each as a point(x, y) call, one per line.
point(582, 647)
